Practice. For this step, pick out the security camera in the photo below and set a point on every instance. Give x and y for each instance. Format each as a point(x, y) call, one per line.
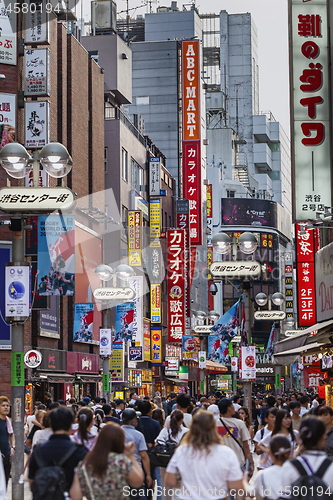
point(192, 301)
point(213, 289)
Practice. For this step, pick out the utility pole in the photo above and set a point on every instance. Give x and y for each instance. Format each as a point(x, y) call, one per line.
point(106, 365)
point(247, 386)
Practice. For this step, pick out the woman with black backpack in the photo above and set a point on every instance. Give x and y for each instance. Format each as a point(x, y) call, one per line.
point(310, 475)
point(174, 433)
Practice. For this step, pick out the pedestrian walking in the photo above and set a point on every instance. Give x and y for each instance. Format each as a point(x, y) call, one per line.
point(269, 427)
point(206, 467)
point(244, 414)
point(84, 434)
point(311, 462)
point(7, 439)
point(182, 402)
point(295, 411)
point(43, 435)
point(326, 414)
point(108, 469)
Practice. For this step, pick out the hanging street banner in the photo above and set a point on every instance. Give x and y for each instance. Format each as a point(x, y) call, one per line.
point(117, 371)
point(83, 322)
point(56, 254)
point(7, 119)
point(105, 341)
point(37, 124)
point(156, 346)
point(176, 284)
point(136, 284)
point(234, 364)
point(218, 351)
point(37, 68)
point(124, 322)
point(310, 107)
point(191, 126)
point(226, 327)
point(247, 363)
point(155, 303)
point(189, 347)
point(202, 359)
point(17, 291)
point(154, 176)
point(134, 238)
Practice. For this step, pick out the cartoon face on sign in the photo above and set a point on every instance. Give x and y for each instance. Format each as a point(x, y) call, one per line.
point(249, 361)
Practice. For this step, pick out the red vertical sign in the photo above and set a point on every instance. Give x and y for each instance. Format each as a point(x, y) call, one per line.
point(306, 291)
point(183, 222)
point(176, 284)
point(191, 135)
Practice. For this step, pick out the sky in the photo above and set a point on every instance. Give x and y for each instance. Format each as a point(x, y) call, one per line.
point(271, 20)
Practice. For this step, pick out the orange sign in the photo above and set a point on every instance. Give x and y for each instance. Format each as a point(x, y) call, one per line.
point(191, 90)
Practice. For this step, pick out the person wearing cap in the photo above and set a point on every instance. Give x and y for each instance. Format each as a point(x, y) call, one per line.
point(129, 421)
point(214, 409)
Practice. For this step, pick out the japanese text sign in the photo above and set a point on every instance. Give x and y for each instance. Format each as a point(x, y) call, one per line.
point(209, 201)
point(146, 339)
point(37, 121)
point(154, 176)
point(156, 346)
point(7, 118)
point(134, 237)
point(310, 85)
point(136, 283)
point(192, 187)
point(37, 81)
point(117, 363)
point(155, 303)
point(8, 47)
point(305, 243)
point(306, 296)
point(17, 369)
point(155, 218)
point(36, 22)
point(176, 284)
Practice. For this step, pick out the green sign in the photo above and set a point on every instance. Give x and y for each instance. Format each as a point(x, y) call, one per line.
point(106, 382)
point(17, 369)
point(278, 380)
point(202, 386)
point(234, 385)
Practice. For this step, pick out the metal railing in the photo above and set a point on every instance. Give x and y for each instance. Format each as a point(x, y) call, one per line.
point(114, 113)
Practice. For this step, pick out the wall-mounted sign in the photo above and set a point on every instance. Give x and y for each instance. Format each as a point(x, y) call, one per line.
point(172, 363)
point(135, 353)
point(156, 346)
point(269, 315)
point(155, 176)
point(37, 22)
point(7, 118)
point(136, 284)
point(155, 218)
point(134, 237)
point(306, 296)
point(37, 81)
point(155, 303)
point(17, 291)
point(176, 285)
point(32, 359)
point(237, 268)
point(324, 283)
point(8, 30)
point(37, 124)
point(249, 212)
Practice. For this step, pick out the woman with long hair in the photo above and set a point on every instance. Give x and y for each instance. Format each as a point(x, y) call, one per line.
point(283, 425)
point(270, 416)
point(108, 469)
point(83, 435)
point(158, 415)
point(174, 433)
point(326, 414)
point(203, 462)
point(310, 459)
point(244, 414)
point(99, 418)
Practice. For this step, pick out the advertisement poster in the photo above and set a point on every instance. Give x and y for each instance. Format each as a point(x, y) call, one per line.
point(249, 212)
point(83, 322)
point(8, 47)
point(37, 119)
point(124, 322)
point(217, 350)
point(7, 119)
point(247, 363)
point(136, 283)
point(37, 72)
point(155, 303)
point(202, 359)
point(156, 346)
point(55, 258)
point(189, 347)
point(18, 291)
point(146, 339)
point(117, 363)
point(105, 342)
point(226, 327)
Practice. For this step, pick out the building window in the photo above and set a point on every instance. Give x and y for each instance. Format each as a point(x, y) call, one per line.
point(124, 164)
point(230, 194)
point(106, 160)
point(166, 220)
point(136, 176)
point(124, 220)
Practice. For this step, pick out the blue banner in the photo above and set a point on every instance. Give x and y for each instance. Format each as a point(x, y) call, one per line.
point(56, 256)
point(218, 351)
point(83, 322)
point(124, 322)
point(226, 327)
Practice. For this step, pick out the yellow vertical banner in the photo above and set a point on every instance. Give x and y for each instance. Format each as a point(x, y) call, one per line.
point(146, 339)
point(134, 237)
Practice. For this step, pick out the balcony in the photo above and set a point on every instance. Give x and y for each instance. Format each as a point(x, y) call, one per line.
point(262, 157)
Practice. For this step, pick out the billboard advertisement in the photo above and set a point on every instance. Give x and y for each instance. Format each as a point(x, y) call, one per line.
point(117, 363)
point(83, 322)
point(124, 322)
point(248, 212)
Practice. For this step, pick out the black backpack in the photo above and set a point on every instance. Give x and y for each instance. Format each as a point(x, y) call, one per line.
point(310, 487)
point(161, 453)
point(50, 480)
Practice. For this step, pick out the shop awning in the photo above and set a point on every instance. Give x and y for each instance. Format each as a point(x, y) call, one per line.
point(285, 346)
point(299, 350)
point(214, 367)
point(90, 379)
point(58, 378)
point(177, 381)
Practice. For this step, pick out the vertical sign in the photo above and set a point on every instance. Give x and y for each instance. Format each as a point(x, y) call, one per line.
point(105, 342)
point(176, 284)
point(7, 118)
point(154, 176)
point(37, 118)
point(117, 363)
point(37, 63)
point(191, 135)
point(146, 339)
point(18, 291)
point(37, 22)
point(155, 303)
point(183, 222)
point(155, 218)
point(311, 108)
point(156, 346)
point(247, 363)
point(136, 283)
point(202, 359)
point(209, 213)
point(134, 237)
point(8, 47)
point(289, 291)
point(306, 292)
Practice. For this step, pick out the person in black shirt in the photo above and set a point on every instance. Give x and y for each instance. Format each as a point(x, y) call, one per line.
point(7, 447)
point(56, 447)
point(107, 412)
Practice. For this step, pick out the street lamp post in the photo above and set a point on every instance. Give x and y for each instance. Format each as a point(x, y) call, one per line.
point(17, 162)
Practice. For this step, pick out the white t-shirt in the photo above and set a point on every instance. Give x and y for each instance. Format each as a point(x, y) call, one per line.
point(204, 475)
point(40, 437)
point(267, 439)
point(239, 430)
point(236, 406)
point(267, 483)
point(290, 474)
point(165, 434)
point(257, 438)
point(187, 420)
point(31, 420)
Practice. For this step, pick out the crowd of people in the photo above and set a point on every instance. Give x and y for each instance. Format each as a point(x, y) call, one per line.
point(175, 447)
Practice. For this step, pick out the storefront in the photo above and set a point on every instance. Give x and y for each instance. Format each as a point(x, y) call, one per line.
point(147, 383)
point(85, 367)
point(51, 376)
point(265, 378)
